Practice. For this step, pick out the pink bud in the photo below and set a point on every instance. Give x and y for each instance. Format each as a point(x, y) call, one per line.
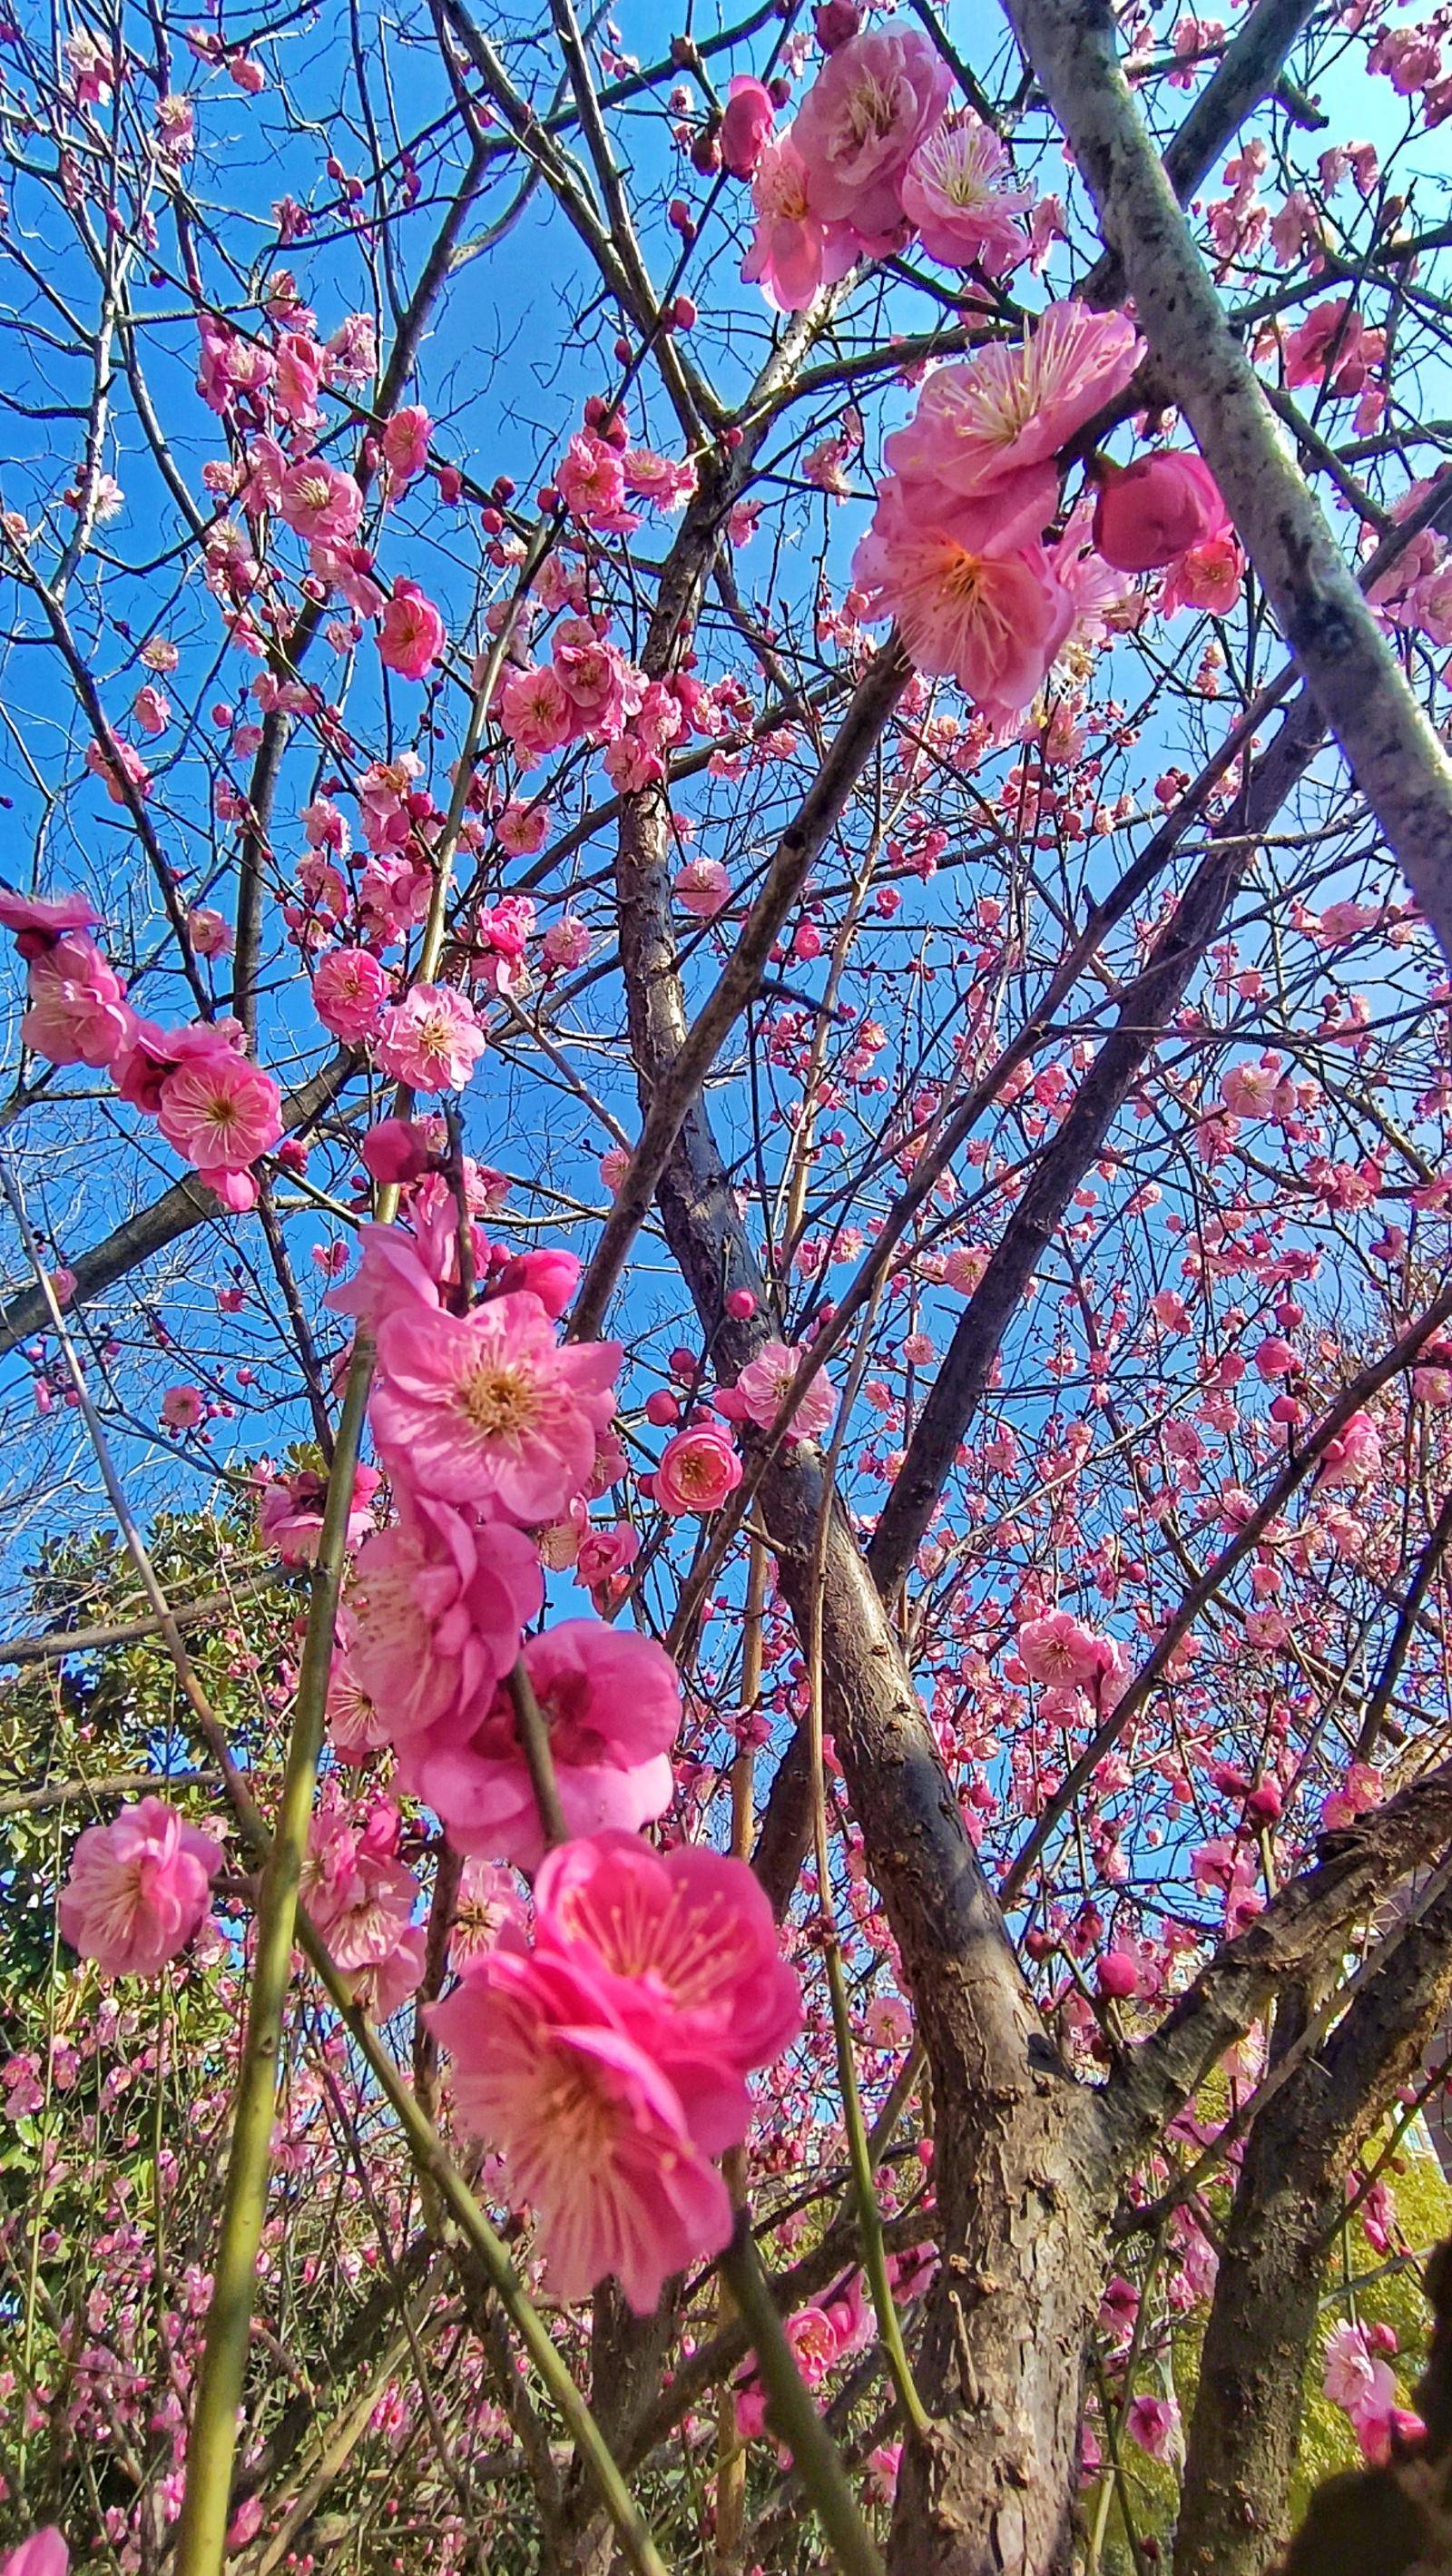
point(740, 1304)
point(552, 1277)
point(745, 126)
point(1155, 509)
point(1118, 1975)
point(394, 1152)
point(661, 1408)
point(836, 24)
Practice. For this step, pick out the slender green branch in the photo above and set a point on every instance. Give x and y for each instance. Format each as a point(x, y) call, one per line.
point(794, 2414)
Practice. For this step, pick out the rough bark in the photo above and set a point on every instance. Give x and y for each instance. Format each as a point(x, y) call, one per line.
point(1260, 2338)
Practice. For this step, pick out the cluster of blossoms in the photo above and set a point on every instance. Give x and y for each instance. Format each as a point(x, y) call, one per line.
point(956, 550)
point(873, 157)
point(1358, 2378)
point(216, 1109)
point(275, 392)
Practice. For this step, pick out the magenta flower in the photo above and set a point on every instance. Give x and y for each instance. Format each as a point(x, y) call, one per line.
point(697, 1470)
point(37, 922)
point(763, 1383)
point(793, 253)
point(138, 1888)
point(290, 1514)
point(405, 444)
point(978, 456)
point(1155, 509)
point(864, 116)
point(77, 1010)
point(952, 193)
point(612, 1703)
point(431, 1040)
point(594, 2137)
point(746, 124)
point(350, 988)
point(1059, 1650)
point(43, 2554)
point(320, 502)
point(436, 1608)
point(411, 637)
point(993, 622)
point(687, 1941)
point(220, 1111)
point(487, 1408)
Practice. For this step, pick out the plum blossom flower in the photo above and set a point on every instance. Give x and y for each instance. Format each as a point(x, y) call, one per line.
point(1349, 2375)
point(38, 921)
point(350, 988)
point(793, 253)
point(319, 501)
point(137, 1889)
point(488, 1900)
point(361, 1897)
point(290, 1513)
point(746, 125)
point(698, 1469)
point(987, 432)
point(868, 109)
point(411, 637)
point(537, 712)
point(488, 1406)
point(77, 1013)
point(220, 1111)
point(703, 888)
point(405, 444)
point(431, 1040)
point(764, 1382)
point(436, 1607)
point(1207, 577)
point(611, 1701)
point(594, 2137)
point(688, 1941)
point(183, 1408)
point(992, 622)
point(43, 2554)
point(952, 193)
point(1059, 1650)
point(1154, 2423)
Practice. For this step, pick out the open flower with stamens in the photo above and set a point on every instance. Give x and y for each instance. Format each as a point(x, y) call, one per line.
point(952, 190)
point(990, 430)
point(220, 1111)
point(593, 2135)
point(488, 1408)
point(436, 1607)
point(991, 620)
point(687, 1940)
point(138, 1888)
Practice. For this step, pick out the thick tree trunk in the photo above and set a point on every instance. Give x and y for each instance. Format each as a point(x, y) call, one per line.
point(1246, 2429)
point(1260, 2340)
point(991, 2491)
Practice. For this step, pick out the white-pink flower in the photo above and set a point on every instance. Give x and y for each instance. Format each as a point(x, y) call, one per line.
point(488, 1407)
point(138, 1888)
point(431, 1040)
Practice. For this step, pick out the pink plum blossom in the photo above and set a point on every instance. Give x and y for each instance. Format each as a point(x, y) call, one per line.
point(77, 1011)
point(405, 444)
point(746, 125)
point(611, 1701)
point(953, 195)
point(537, 713)
point(436, 1607)
point(978, 456)
point(688, 1942)
point(431, 1040)
point(1155, 509)
point(992, 622)
point(793, 252)
point(703, 888)
point(137, 1889)
point(319, 501)
point(594, 2137)
point(489, 1407)
point(43, 2554)
point(220, 1111)
point(698, 1469)
point(411, 637)
point(1059, 1650)
point(350, 988)
point(760, 1389)
point(868, 109)
point(290, 1514)
point(38, 921)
